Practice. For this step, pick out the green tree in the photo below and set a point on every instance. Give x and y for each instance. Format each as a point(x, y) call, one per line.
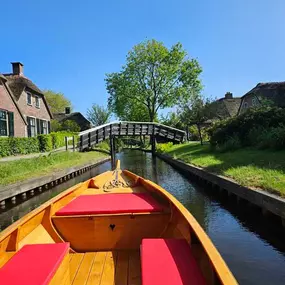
point(56, 101)
point(154, 77)
point(70, 126)
point(196, 111)
point(173, 119)
point(98, 115)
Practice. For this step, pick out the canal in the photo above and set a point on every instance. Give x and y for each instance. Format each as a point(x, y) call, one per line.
point(252, 247)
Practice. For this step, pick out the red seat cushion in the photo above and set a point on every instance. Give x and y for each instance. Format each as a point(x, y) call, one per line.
point(111, 204)
point(33, 264)
point(169, 262)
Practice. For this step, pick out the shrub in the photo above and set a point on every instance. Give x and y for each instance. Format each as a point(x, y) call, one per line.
point(58, 138)
point(45, 143)
point(70, 126)
point(231, 143)
point(194, 134)
point(163, 147)
point(14, 146)
point(272, 138)
point(247, 125)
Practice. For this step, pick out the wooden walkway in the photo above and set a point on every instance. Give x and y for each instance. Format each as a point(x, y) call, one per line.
point(96, 135)
point(105, 268)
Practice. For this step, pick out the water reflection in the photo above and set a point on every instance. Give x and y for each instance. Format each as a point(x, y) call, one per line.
point(245, 242)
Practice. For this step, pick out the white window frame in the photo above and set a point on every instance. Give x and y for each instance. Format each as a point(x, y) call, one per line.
point(29, 94)
point(37, 98)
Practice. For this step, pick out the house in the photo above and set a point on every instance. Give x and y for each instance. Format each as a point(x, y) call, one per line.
point(23, 109)
point(77, 117)
point(225, 107)
point(272, 93)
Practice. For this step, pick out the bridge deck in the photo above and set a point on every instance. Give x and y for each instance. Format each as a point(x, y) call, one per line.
point(93, 136)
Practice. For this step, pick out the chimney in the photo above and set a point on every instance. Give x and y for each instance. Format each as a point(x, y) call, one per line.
point(18, 68)
point(67, 110)
point(229, 95)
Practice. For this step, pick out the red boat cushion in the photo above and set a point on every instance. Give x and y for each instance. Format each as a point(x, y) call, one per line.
point(111, 204)
point(33, 264)
point(169, 262)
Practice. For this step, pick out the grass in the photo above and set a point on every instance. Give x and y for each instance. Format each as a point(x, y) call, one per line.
point(19, 170)
point(261, 169)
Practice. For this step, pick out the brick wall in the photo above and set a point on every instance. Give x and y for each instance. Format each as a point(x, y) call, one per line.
point(32, 110)
point(6, 103)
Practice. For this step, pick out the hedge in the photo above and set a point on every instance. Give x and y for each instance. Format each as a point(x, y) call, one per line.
point(263, 127)
point(42, 143)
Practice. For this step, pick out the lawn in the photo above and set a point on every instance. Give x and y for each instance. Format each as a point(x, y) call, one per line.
point(19, 170)
point(263, 169)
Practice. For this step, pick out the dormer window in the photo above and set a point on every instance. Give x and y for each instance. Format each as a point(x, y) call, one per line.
point(29, 98)
point(37, 102)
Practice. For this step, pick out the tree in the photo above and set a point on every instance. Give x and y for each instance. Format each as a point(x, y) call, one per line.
point(98, 115)
point(56, 101)
point(70, 126)
point(173, 120)
point(153, 78)
point(196, 112)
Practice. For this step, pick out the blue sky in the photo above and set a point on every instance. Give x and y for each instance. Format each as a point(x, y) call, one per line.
point(69, 46)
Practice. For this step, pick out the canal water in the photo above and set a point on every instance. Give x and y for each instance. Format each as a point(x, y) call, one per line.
point(253, 248)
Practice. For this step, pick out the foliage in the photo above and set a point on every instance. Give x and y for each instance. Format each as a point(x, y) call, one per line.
point(42, 143)
point(163, 147)
point(154, 77)
point(45, 143)
point(194, 133)
point(19, 170)
point(55, 125)
point(56, 101)
point(13, 146)
point(66, 126)
point(233, 143)
point(173, 120)
point(196, 112)
point(98, 115)
point(70, 126)
point(257, 126)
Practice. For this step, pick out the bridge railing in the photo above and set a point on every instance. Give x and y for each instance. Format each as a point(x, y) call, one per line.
point(98, 134)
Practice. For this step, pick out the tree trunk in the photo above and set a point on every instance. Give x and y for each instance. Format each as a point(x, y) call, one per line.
point(200, 135)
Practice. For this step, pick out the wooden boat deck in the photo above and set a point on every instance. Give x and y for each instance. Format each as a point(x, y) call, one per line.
point(108, 267)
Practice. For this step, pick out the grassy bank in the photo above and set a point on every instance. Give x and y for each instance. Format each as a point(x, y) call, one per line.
point(264, 169)
point(19, 170)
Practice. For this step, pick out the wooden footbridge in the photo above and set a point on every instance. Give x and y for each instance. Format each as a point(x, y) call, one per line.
point(98, 134)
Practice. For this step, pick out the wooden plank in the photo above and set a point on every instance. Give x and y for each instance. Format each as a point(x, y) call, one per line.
point(75, 264)
point(108, 276)
point(134, 268)
point(122, 267)
point(97, 269)
point(84, 269)
point(5, 257)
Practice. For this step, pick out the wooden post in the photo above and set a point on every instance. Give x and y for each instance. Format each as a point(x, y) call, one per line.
point(81, 143)
point(112, 150)
point(73, 143)
point(66, 143)
point(153, 139)
point(89, 139)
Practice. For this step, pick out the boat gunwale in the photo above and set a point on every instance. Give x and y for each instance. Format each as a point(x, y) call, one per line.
point(222, 270)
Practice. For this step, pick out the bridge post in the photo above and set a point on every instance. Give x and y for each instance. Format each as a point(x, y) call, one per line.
point(152, 138)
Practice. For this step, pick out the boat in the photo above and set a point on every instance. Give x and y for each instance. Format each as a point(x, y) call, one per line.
point(115, 228)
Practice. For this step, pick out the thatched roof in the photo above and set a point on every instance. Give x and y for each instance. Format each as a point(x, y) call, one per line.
point(77, 117)
point(19, 83)
point(226, 107)
point(273, 91)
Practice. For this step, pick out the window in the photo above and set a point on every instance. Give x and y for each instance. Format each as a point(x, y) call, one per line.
point(44, 127)
point(31, 127)
point(254, 102)
point(29, 98)
point(6, 123)
point(245, 105)
point(3, 123)
point(37, 101)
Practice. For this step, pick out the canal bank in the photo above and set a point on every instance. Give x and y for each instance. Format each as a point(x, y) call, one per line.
point(268, 203)
point(38, 184)
point(250, 246)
